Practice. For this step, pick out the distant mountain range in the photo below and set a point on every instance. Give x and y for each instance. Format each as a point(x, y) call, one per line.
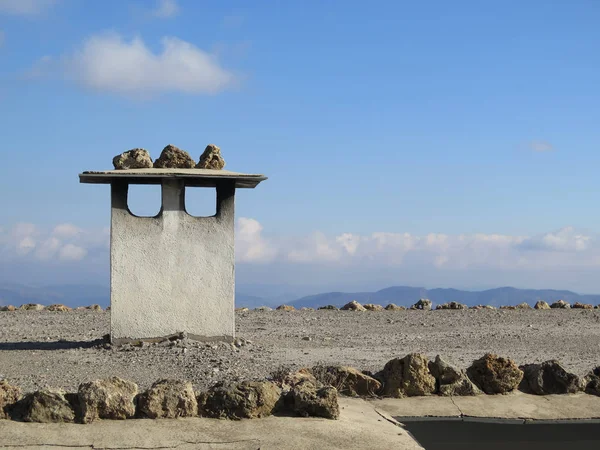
point(83, 295)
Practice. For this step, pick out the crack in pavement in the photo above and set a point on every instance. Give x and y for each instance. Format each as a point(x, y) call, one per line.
point(457, 407)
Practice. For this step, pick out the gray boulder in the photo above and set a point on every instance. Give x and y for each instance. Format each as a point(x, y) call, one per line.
point(46, 406)
point(353, 306)
point(560, 304)
point(347, 380)
point(495, 375)
point(211, 158)
point(592, 382)
point(9, 395)
point(245, 400)
point(137, 158)
point(407, 377)
point(174, 158)
point(423, 304)
point(549, 377)
point(451, 381)
point(168, 399)
point(310, 400)
point(451, 305)
point(109, 398)
point(394, 307)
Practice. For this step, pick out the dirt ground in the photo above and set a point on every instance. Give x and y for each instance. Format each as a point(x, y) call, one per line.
point(61, 350)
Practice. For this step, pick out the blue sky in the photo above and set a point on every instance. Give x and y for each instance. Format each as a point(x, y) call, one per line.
point(431, 143)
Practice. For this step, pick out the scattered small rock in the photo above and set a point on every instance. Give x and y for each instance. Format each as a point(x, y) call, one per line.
point(423, 304)
point(560, 304)
point(373, 307)
point(451, 380)
point(211, 158)
point(451, 305)
point(330, 307)
point(285, 308)
point(168, 399)
point(109, 398)
point(494, 374)
point(58, 307)
point(263, 308)
point(394, 307)
point(174, 158)
point(137, 158)
point(245, 400)
point(407, 377)
point(549, 377)
point(307, 338)
point(541, 304)
point(31, 307)
point(578, 305)
point(523, 305)
point(306, 308)
point(353, 306)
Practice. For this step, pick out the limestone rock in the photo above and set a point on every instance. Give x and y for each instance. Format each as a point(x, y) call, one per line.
point(394, 307)
point(451, 380)
point(288, 380)
point(243, 309)
point(523, 305)
point(308, 400)
point(407, 377)
point(550, 377)
point(94, 307)
point(306, 308)
point(285, 308)
point(174, 158)
point(541, 304)
point(31, 307)
point(137, 158)
point(168, 399)
point(7, 308)
point(451, 305)
point(353, 306)
point(263, 309)
point(423, 304)
point(58, 307)
point(211, 158)
point(347, 380)
point(591, 382)
point(578, 305)
point(373, 307)
point(561, 304)
point(330, 307)
point(479, 307)
point(508, 307)
point(109, 398)
point(46, 406)
point(9, 395)
point(494, 374)
point(245, 400)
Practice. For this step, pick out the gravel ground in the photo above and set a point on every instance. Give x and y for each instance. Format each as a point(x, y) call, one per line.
point(61, 350)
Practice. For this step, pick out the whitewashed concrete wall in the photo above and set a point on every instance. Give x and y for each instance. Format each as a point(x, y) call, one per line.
point(173, 272)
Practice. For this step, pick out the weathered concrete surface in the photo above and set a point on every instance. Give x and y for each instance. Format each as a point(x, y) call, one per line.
point(359, 427)
point(511, 406)
point(192, 177)
point(172, 273)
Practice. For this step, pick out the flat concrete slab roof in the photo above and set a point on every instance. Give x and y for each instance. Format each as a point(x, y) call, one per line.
point(192, 177)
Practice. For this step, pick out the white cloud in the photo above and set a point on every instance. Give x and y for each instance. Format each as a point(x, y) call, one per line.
point(541, 146)
point(566, 239)
point(109, 62)
point(66, 230)
point(165, 9)
point(71, 252)
point(65, 241)
point(250, 244)
point(25, 7)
